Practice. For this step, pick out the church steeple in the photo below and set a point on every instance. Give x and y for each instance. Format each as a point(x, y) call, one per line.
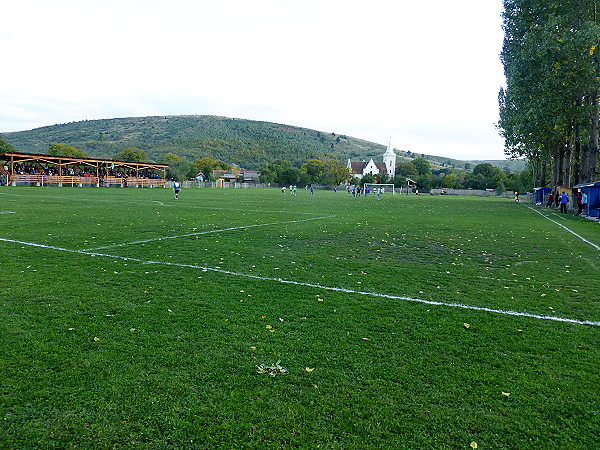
point(389, 158)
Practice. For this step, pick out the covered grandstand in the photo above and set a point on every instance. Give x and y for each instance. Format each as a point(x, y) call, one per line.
point(41, 170)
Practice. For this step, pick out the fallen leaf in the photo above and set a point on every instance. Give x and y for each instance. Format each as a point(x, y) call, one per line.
point(505, 393)
point(308, 369)
point(268, 327)
point(253, 348)
point(320, 299)
point(272, 331)
point(467, 325)
point(96, 339)
point(366, 339)
point(70, 329)
point(473, 445)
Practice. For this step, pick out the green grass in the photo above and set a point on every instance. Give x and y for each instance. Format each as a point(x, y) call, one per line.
point(138, 346)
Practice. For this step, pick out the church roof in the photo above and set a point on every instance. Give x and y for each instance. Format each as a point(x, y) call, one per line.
point(357, 166)
point(390, 150)
point(381, 167)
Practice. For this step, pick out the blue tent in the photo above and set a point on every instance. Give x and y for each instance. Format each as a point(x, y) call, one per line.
point(541, 193)
point(593, 192)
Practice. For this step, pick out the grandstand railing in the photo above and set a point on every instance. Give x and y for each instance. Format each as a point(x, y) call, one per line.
point(62, 180)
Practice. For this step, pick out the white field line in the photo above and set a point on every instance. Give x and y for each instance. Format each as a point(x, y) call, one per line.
point(597, 247)
point(143, 241)
point(7, 212)
point(316, 286)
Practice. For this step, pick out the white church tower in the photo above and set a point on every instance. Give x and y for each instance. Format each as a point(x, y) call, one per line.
point(389, 159)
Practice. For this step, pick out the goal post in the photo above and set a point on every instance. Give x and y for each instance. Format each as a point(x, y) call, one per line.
point(386, 187)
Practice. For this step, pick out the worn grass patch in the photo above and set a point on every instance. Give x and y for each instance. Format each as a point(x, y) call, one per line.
point(149, 330)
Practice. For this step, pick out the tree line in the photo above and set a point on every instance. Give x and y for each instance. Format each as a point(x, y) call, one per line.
point(329, 172)
point(418, 170)
point(483, 176)
point(549, 109)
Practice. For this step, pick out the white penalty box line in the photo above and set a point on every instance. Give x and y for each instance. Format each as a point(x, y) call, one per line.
point(313, 285)
point(199, 233)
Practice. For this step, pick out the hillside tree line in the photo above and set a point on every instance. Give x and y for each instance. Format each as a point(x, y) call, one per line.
point(328, 172)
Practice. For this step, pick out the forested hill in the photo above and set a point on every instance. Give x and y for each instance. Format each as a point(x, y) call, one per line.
point(246, 143)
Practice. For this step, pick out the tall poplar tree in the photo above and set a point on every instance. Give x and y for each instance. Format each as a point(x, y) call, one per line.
point(549, 108)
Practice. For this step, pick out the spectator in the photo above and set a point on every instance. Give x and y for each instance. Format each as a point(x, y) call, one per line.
point(564, 199)
point(584, 200)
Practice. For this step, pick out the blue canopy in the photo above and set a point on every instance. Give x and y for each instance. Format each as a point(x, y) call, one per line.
point(593, 192)
point(541, 193)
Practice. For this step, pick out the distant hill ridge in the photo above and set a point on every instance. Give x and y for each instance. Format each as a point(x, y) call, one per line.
point(246, 143)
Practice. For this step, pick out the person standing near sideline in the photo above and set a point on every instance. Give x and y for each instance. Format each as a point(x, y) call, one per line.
point(579, 203)
point(584, 200)
point(176, 188)
point(564, 199)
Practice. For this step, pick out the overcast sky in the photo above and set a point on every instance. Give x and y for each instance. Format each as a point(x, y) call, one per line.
point(424, 73)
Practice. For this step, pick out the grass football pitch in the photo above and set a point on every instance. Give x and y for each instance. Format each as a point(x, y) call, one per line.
point(130, 319)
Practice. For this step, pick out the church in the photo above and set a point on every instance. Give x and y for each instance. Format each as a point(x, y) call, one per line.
point(359, 169)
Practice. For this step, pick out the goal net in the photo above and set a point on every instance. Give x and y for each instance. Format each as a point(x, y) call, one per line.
point(385, 187)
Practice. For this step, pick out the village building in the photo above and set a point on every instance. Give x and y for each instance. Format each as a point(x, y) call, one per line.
point(359, 169)
point(236, 175)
